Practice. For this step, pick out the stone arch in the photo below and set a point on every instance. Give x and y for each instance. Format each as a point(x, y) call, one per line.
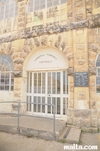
point(96, 60)
point(6, 48)
point(51, 41)
point(93, 54)
point(55, 41)
point(32, 55)
point(44, 50)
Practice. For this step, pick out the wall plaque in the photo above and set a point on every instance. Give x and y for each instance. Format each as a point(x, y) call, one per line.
point(81, 79)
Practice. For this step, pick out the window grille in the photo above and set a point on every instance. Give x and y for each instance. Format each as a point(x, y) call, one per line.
point(6, 73)
point(98, 75)
point(35, 5)
point(8, 9)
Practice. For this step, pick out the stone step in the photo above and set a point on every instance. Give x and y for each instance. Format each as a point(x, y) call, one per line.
point(74, 135)
point(64, 133)
point(70, 135)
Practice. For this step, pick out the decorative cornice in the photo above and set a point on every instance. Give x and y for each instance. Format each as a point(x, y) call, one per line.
point(52, 28)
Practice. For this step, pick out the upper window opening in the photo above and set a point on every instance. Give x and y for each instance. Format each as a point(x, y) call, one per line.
point(8, 9)
point(98, 74)
point(35, 5)
point(6, 73)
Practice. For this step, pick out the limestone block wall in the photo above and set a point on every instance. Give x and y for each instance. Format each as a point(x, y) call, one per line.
point(57, 14)
point(72, 28)
point(8, 25)
point(86, 49)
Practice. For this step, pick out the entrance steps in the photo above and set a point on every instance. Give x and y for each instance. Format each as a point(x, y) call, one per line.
point(70, 135)
point(32, 126)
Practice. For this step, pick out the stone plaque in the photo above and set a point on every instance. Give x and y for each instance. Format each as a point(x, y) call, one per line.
point(81, 79)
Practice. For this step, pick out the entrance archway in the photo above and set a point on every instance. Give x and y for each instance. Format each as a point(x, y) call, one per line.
point(47, 82)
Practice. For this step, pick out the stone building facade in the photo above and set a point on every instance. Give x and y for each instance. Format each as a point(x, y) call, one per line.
point(60, 41)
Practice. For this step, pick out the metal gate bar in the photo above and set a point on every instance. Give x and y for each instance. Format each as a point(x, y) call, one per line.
point(19, 114)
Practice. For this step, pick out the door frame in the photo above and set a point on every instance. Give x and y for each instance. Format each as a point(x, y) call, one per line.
point(61, 95)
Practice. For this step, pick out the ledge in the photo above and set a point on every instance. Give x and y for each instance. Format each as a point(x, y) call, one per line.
point(52, 28)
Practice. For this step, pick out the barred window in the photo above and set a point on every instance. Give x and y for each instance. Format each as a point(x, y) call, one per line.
point(8, 9)
point(98, 75)
point(35, 5)
point(6, 73)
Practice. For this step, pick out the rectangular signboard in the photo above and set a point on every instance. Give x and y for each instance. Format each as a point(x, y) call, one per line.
point(81, 79)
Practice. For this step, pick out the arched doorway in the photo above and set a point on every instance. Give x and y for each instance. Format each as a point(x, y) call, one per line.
point(47, 82)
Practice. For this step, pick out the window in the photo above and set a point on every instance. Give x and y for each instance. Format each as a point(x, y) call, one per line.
point(98, 75)
point(51, 3)
point(6, 73)
point(8, 9)
point(35, 5)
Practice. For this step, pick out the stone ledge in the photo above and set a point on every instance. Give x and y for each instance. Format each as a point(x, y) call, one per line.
point(17, 73)
point(52, 28)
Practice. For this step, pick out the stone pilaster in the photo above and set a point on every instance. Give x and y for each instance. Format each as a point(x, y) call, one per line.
point(21, 15)
point(19, 93)
point(17, 88)
point(81, 94)
point(79, 11)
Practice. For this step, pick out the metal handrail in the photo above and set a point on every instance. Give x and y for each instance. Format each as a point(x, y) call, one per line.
point(19, 114)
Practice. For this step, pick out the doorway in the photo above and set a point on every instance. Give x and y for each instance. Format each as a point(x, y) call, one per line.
point(50, 87)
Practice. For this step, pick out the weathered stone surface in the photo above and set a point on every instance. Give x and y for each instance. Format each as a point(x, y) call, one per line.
point(44, 41)
point(17, 73)
point(49, 29)
point(18, 60)
point(63, 45)
point(36, 42)
point(69, 14)
point(92, 70)
point(89, 10)
point(69, 56)
point(94, 21)
point(71, 87)
point(70, 71)
point(70, 112)
point(80, 24)
point(23, 54)
point(34, 33)
point(92, 104)
point(17, 93)
point(78, 3)
point(99, 113)
point(85, 123)
point(99, 122)
point(82, 113)
point(94, 122)
point(79, 45)
point(18, 67)
point(70, 120)
point(89, 129)
point(71, 103)
point(94, 113)
point(91, 62)
point(77, 122)
point(15, 106)
point(94, 48)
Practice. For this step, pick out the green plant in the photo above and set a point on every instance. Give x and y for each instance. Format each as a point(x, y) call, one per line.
point(80, 142)
point(30, 135)
point(63, 141)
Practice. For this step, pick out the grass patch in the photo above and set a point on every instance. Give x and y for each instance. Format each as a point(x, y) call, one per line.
point(63, 141)
point(30, 135)
point(80, 142)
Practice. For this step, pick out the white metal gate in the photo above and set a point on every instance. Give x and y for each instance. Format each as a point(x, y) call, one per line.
point(47, 87)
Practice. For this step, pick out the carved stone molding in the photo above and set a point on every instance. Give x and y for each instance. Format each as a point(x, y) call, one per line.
point(18, 74)
point(94, 21)
point(92, 71)
point(70, 71)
